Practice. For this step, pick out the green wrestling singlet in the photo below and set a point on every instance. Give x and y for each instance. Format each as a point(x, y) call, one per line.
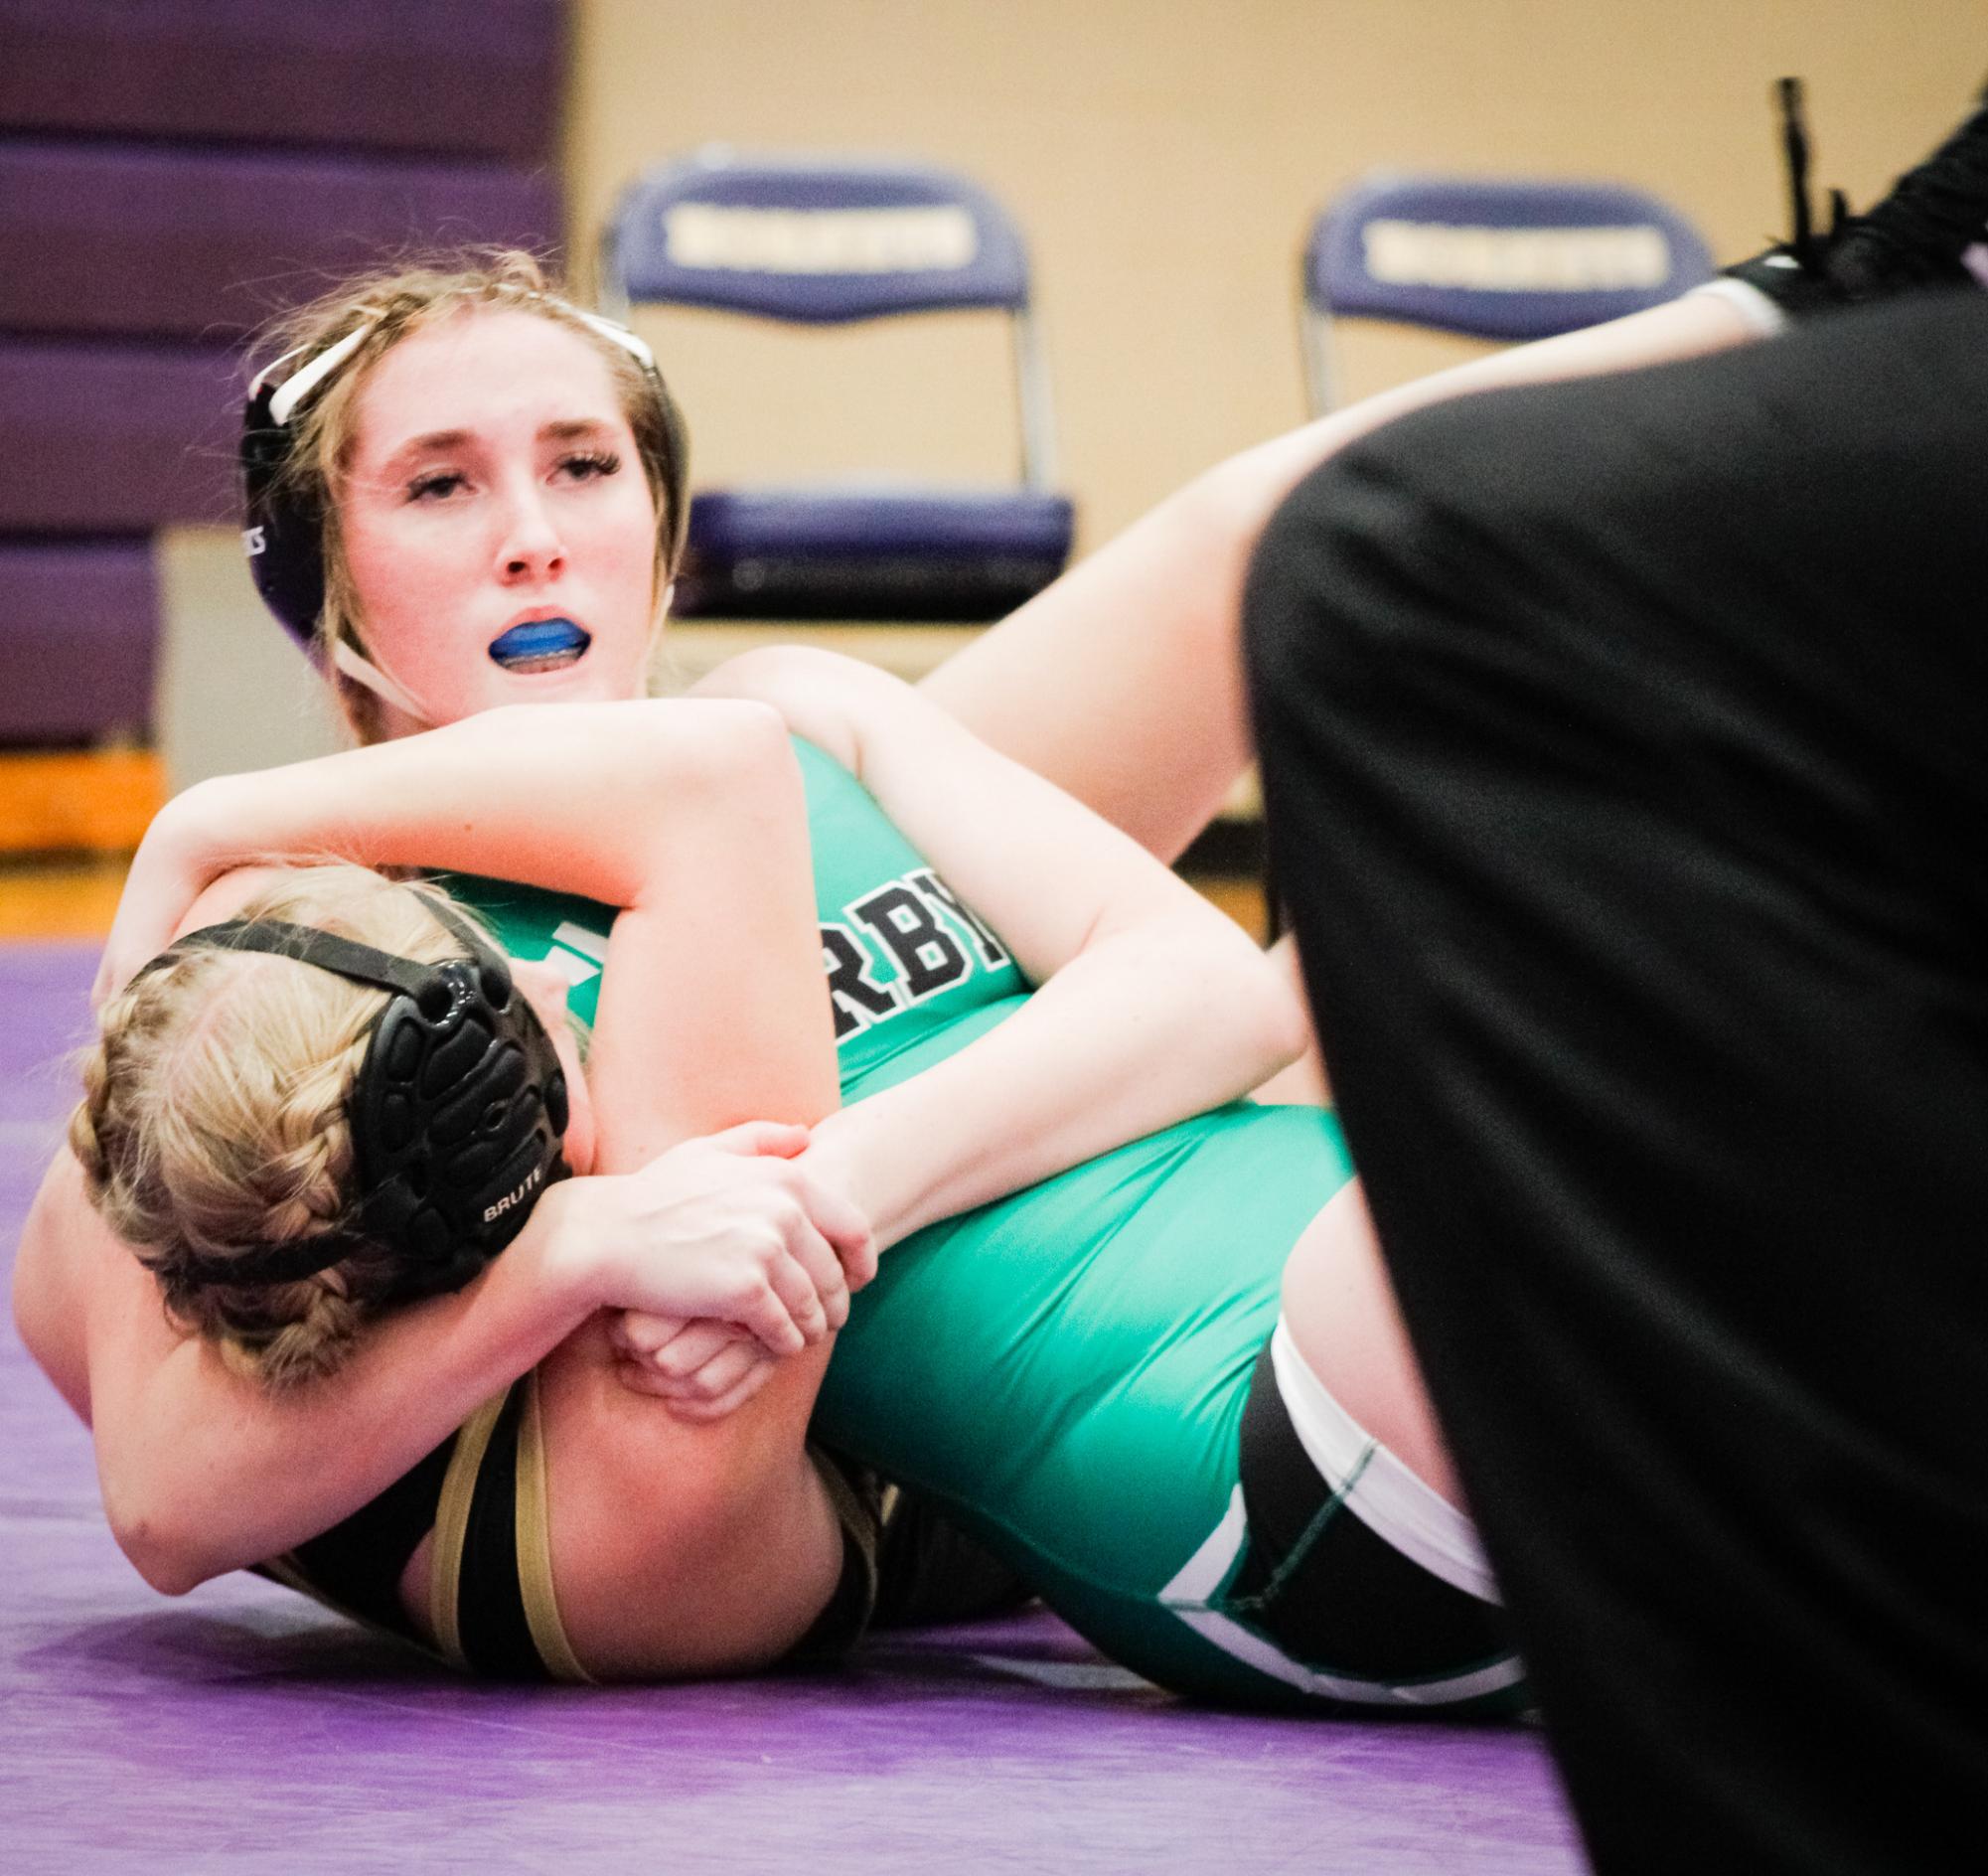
point(1064, 1369)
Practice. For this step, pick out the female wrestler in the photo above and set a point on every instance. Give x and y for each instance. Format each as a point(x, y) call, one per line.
point(426, 611)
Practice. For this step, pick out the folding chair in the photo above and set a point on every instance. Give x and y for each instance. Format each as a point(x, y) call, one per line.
point(1489, 259)
point(821, 242)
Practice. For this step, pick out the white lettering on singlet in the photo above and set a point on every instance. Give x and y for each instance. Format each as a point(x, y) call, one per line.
point(589, 944)
point(820, 241)
point(577, 954)
point(1515, 259)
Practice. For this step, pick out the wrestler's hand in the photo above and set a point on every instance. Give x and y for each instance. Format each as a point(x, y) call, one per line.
point(726, 1227)
point(705, 1370)
point(830, 1168)
point(702, 1370)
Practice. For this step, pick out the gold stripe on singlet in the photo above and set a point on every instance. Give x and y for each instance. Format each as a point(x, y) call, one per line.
point(534, 1547)
point(452, 1527)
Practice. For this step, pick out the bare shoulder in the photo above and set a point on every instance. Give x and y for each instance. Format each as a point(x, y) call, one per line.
point(777, 671)
point(829, 698)
point(682, 1549)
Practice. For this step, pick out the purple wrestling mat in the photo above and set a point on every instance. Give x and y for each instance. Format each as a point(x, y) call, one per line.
point(242, 1728)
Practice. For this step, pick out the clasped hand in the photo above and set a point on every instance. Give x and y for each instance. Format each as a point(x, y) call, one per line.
point(719, 1258)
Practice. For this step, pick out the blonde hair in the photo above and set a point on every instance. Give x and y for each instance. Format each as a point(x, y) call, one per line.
point(395, 303)
point(214, 1120)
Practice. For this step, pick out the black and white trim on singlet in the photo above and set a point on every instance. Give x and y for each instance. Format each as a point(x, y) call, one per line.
point(1392, 1501)
point(1348, 1554)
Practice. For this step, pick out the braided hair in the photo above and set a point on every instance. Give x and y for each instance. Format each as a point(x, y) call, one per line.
point(214, 1118)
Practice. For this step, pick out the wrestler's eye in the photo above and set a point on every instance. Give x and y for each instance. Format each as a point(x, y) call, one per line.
point(435, 486)
point(589, 466)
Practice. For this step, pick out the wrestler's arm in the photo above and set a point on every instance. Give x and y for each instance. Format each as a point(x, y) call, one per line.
point(1122, 682)
point(202, 1473)
point(681, 1548)
point(604, 800)
point(1151, 1004)
point(676, 1549)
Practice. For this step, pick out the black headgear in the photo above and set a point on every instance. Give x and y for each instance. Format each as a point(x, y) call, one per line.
point(283, 523)
point(457, 1115)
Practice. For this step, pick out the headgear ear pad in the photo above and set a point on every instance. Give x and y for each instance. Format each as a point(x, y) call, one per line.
point(283, 516)
point(457, 1114)
point(284, 531)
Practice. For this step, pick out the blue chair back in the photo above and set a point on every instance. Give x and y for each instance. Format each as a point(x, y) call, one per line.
point(1489, 258)
point(811, 241)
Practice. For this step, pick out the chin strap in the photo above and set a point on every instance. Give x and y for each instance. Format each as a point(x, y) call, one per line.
point(349, 662)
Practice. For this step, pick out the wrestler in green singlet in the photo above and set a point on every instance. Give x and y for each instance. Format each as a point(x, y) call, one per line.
point(1064, 1369)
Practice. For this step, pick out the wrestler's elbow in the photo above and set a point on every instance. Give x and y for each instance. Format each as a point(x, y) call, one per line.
point(1280, 1026)
point(163, 1548)
point(737, 752)
point(1264, 1025)
point(748, 736)
point(163, 1563)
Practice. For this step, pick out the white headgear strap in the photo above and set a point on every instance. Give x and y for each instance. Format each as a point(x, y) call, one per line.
point(352, 663)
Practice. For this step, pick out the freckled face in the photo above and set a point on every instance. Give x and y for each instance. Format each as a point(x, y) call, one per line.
point(497, 525)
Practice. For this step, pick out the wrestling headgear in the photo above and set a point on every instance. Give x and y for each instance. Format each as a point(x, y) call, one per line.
point(457, 1115)
point(283, 530)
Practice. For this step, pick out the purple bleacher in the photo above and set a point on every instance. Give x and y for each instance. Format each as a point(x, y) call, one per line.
point(99, 438)
point(171, 172)
point(77, 639)
point(465, 77)
point(203, 246)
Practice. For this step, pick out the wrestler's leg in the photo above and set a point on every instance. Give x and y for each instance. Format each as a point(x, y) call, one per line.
point(1627, 755)
point(1360, 1558)
point(1122, 682)
point(1341, 1315)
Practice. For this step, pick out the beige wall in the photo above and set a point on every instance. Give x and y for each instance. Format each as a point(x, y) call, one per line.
point(1165, 158)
